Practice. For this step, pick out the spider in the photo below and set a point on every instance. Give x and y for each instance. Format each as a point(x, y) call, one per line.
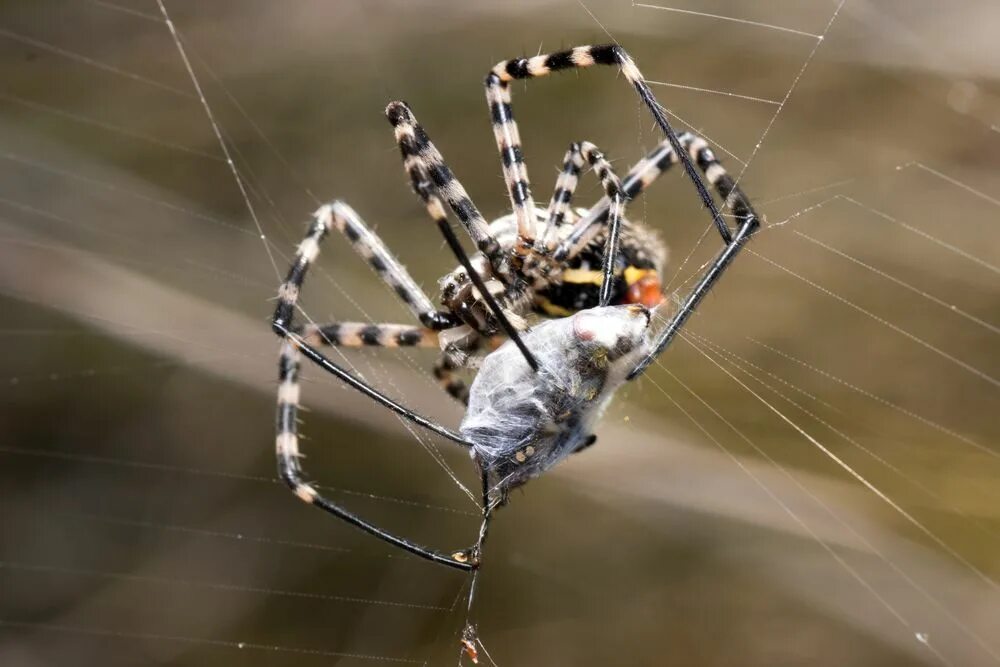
point(538, 395)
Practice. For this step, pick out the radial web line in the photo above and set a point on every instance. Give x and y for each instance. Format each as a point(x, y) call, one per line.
point(950, 307)
point(919, 232)
point(171, 582)
point(202, 641)
point(218, 133)
point(913, 481)
point(791, 89)
point(878, 399)
point(125, 10)
point(97, 64)
point(202, 472)
point(963, 627)
point(110, 127)
point(856, 475)
point(788, 510)
point(711, 91)
point(949, 179)
point(733, 19)
point(881, 320)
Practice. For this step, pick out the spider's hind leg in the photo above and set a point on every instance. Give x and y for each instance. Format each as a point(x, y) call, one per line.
point(577, 157)
point(748, 223)
point(425, 166)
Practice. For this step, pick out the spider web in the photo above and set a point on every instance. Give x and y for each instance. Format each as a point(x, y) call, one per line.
point(816, 458)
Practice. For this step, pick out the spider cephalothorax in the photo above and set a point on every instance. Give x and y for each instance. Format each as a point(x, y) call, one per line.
point(551, 288)
point(592, 265)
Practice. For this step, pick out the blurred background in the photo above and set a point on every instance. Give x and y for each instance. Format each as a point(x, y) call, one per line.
point(810, 476)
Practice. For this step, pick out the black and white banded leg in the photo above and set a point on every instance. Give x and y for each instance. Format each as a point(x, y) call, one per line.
point(429, 176)
point(735, 199)
point(290, 459)
point(508, 137)
point(445, 373)
point(366, 243)
point(298, 342)
point(562, 197)
point(643, 174)
point(579, 155)
point(636, 181)
point(364, 334)
point(613, 190)
point(747, 223)
point(446, 366)
point(422, 160)
point(639, 177)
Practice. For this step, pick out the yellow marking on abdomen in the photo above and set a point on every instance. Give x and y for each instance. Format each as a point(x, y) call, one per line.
point(582, 276)
point(634, 275)
point(552, 309)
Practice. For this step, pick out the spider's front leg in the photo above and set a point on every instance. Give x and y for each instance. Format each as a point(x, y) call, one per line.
point(642, 174)
point(430, 175)
point(645, 172)
point(509, 141)
point(748, 223)
point(577, 157)
point(637, 180)
point(431, 179)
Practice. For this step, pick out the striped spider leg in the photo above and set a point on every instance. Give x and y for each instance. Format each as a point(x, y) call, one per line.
point(508, 137)
point(644, 173)
point(748, 222)
point(304, 341)
point(431, 179)
point(577, 157)
point(613, 190)
point(424, 164)
point(564, 238)
point(639, 178)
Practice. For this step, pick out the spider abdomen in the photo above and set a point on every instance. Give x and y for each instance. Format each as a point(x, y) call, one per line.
point(521, 422)
point(577, 286)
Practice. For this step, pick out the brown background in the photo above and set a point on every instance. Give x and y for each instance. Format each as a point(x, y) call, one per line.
point(141, 520)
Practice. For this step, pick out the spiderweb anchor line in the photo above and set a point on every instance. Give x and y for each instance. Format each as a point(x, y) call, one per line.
point(218, 133)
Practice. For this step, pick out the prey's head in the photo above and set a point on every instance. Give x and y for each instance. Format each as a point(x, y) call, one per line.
point(613, 333)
